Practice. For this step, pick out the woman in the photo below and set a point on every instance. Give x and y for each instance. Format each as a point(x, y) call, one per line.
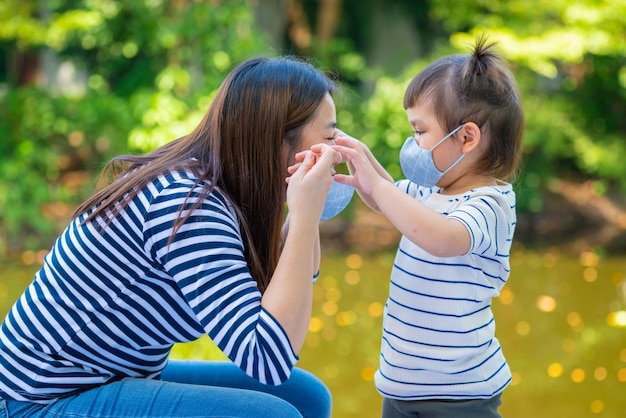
point(186, 240)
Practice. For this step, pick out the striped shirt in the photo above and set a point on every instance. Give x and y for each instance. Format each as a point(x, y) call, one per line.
point(109, 305)
point(438, 337)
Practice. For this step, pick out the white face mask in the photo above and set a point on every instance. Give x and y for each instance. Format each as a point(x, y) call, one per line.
point(418, 164)
point(338, 198)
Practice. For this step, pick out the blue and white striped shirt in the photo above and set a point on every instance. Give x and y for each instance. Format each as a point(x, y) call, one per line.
point(109, 305)
point(438, 328)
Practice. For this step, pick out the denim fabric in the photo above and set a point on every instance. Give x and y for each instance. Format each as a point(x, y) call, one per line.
point(189, 389)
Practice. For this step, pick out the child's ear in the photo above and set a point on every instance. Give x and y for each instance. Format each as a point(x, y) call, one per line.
point(470, 136)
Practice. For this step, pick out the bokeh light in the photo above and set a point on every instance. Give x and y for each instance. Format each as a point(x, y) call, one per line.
point(600, 374)
point(333, 294)
point(577, 375)
point(354, 261)
point(346, 318)
point(617, 319)
point(375, 309)
point(330, 308)
point(315, 324)
point(597, 406)
point(506, 296)
point(522, 328)
point(590, 274)
point(589, 259)
point(546, 303)
point(555, 370)
point(575, 321)
point(367, 373)
point(352, 277)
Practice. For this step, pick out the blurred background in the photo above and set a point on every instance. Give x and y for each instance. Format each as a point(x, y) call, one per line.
point(84, 80)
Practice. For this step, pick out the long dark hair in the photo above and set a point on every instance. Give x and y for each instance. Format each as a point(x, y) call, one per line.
point(238, 147)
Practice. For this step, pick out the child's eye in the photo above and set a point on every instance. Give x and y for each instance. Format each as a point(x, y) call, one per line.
point(418, 133)
point(330, 138)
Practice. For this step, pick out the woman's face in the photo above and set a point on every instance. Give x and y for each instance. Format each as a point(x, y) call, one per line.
point(320, 129)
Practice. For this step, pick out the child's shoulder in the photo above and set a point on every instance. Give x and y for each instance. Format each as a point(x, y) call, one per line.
point(502, 193)
point(415, 190)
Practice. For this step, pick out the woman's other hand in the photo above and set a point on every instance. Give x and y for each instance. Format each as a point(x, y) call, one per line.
point(310, 181)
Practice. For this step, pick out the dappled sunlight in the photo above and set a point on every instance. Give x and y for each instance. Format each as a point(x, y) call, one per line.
point(574, 331)
point(550, 322)
point(617, 319)
point(546, 303)
point(562, 333)
point(555, 370)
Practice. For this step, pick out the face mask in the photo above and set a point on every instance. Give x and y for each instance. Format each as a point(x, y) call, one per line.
point(338, 198)
point(418, 165)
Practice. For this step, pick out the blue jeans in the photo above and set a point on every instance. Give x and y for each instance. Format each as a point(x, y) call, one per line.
point(189, 389)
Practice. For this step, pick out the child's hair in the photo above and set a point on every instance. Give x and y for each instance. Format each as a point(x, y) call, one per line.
point(475, 88)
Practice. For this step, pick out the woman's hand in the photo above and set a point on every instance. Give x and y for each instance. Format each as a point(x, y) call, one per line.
point(310, 181)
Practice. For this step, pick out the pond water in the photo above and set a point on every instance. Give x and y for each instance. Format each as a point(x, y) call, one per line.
point(561, 320)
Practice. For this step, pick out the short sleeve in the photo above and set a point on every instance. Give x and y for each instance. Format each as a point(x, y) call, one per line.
point(490, 222)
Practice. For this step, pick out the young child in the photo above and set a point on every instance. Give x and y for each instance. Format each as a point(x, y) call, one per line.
point(439, 356)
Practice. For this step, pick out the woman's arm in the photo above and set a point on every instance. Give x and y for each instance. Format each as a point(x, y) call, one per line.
point(289, 295)
point(317, 256)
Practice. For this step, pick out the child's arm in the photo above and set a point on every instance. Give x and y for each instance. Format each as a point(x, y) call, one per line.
point(425, 227)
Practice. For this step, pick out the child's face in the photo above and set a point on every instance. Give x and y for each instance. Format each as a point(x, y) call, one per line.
point(428, 132)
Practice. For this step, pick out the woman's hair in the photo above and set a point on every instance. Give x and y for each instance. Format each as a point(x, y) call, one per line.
point(475, 88)
point(262, 105)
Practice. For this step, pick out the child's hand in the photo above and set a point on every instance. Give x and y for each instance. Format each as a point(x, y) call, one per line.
point(364, 174)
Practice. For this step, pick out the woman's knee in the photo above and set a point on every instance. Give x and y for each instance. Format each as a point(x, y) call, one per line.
point(315, 396)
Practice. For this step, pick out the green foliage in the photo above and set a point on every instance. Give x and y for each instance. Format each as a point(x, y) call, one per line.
point(570, 60)
point(50, 150)
point(143, 72)
point(150, 68)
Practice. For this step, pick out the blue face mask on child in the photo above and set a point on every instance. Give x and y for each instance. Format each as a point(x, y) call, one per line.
point(338, 198)
point(418, 165)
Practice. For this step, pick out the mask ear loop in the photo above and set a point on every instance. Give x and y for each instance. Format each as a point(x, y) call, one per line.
point(455, 130)
point(458, 160)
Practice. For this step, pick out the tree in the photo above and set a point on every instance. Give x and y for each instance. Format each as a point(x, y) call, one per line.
point(85, 80)
point(82, 80)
